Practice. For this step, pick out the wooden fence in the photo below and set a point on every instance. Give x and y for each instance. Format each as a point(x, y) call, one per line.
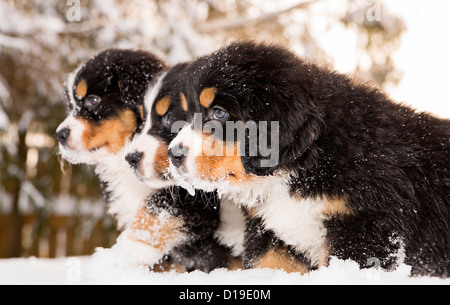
point(57, 236)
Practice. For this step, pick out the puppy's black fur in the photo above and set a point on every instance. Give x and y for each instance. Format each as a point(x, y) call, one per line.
point(343, 139)
point(200, 213)
point(120, 78)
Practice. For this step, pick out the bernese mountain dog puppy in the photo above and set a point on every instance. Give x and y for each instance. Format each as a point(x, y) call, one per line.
point(165, 107)
point(324, 165)
point(105, 97)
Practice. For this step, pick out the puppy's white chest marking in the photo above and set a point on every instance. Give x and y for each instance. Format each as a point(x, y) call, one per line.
point(299, 223)
point(231, 232)
point(127, 194)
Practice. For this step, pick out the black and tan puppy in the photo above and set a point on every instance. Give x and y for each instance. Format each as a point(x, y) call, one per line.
point(325, 165)
point(104, 97)
point(210, 225)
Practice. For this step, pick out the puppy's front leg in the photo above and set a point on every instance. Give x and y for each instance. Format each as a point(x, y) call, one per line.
point(151, 237)
point(262, 249)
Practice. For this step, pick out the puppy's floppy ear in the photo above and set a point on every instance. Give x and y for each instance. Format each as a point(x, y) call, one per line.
point(283, 142)
point(273, 86)
point(302, 150)
point(131, 71)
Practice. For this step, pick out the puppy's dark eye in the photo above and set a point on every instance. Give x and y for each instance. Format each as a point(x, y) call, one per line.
point(220, 114)
point(92, 101)
point(168, 120)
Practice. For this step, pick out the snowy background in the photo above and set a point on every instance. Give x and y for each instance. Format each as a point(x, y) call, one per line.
point(51, 210)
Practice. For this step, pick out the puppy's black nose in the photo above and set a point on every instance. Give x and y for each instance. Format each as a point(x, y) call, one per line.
point(178, 154)
point(63, 135)
point(134, 158)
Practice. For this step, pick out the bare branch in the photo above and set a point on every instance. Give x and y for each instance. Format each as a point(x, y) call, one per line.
point(224, 24)
point(84, 27)
point(14, 42)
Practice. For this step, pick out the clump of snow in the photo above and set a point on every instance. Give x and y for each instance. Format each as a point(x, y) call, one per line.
point(4, 120)
point(111, 266)
point(5, 97)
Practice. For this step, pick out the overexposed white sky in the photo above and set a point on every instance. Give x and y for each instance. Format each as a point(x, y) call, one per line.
point(423, 57)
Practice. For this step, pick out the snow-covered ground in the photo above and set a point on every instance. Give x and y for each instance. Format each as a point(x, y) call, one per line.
point(109, 267)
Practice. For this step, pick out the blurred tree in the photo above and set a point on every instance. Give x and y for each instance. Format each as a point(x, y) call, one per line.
point(380, 34)
point(42, 41)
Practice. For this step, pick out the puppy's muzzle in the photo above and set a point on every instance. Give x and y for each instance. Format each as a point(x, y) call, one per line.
point(63, 135)
point(134, 159)
point(178, 154)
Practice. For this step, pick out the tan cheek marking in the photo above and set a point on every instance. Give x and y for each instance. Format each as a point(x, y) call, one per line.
point(219, 161)
point(162, 106)
point(81, 89)
point(279, 258)
point(112, 134)
point(207, 96)
point(161, 161)
point(184, 103)
point(157, 232)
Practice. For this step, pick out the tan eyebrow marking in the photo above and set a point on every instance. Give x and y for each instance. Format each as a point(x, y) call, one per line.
point(140, 109)
point(184, 104)
point(81, 89)
point(207, 96)
point(162, 106)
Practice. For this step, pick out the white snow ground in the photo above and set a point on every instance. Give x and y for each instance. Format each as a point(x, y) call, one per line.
point(107, 266)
